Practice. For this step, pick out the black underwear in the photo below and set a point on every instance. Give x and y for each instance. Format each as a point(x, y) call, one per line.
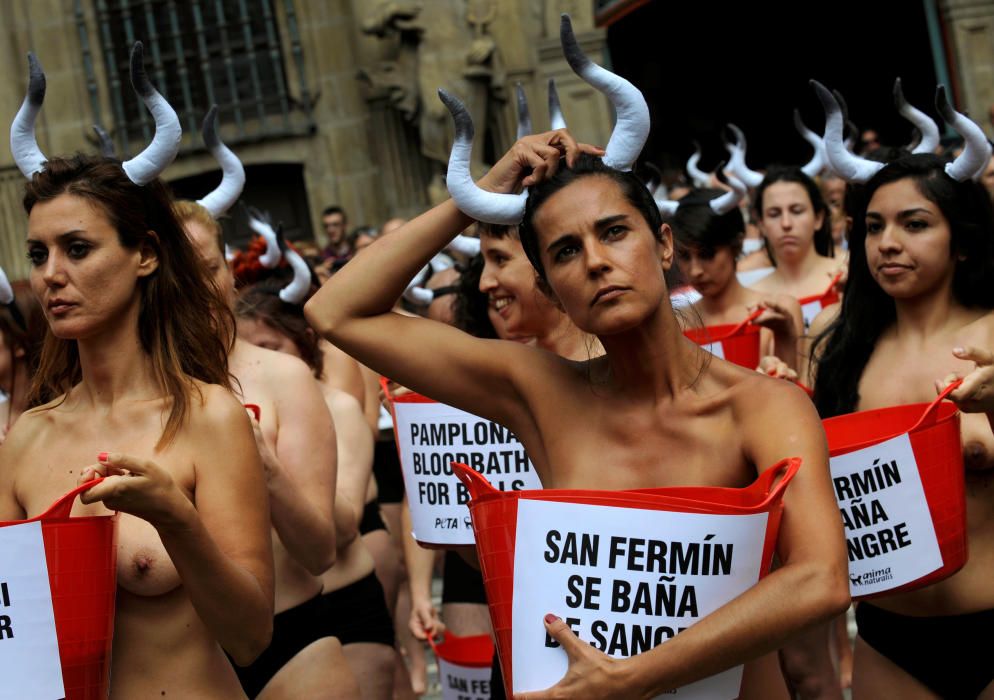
point(947, 653)
point(461, 583)
point(371, 518)
point(386, 469)
point(293, 630)
point(358, 613)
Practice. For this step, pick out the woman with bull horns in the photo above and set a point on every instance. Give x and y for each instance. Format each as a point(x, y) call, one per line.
point(134, 370)
point(919, 298)
point(594, 235)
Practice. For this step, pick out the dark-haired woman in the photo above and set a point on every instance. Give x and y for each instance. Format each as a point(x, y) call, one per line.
point(707, 247)
point(918, 307)
point(596, 239)
point(797, 226)
point(134, 369)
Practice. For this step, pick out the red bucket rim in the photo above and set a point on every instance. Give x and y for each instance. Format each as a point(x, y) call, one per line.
point(464, 651)
point(61, 507)
point(938, 412)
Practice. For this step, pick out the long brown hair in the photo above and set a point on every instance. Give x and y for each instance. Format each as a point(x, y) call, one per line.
point(184, 325)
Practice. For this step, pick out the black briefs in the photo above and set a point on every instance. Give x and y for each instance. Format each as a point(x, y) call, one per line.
point(461, 583)
point(358, 613)
point(386, 469)
point(371, 518)
point(950, 654)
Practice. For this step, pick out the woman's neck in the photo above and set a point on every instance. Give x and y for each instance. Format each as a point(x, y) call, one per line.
point(733, 294)
point(114, 366)
point(796, 268)
point(653, 359)
point(566, 340)
point(929, 314)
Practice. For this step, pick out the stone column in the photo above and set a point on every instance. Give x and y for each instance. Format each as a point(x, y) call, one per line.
point(970, 28)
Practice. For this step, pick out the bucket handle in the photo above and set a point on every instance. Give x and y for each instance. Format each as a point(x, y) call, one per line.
point(61, 508)
point(474, 482)
point(256, 411)
point(932, 406)
point(786, 469)
point(748, 319)
point(831, 285)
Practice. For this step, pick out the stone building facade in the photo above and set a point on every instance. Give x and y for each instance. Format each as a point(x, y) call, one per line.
point(325, 101)
point(330, 101)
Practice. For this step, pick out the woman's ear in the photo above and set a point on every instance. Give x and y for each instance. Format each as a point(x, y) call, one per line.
point(149, 261)
point(666, 246)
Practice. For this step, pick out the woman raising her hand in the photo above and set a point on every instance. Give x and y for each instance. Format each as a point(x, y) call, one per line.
point(594, 235)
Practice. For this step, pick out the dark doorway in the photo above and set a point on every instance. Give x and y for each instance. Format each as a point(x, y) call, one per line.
point(274, 188)
point(702, 65)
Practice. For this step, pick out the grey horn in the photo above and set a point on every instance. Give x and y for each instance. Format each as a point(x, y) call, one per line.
point(736, 161)
point(23, 143)
point(698, 176)
point(147, 165)
point(928, 129)
point(233, 173)
point(632, 126)
point(817, 163)
point(524, 119)
point(972, 162)
point(846, 165)
point(489, 207)
point(556, 118)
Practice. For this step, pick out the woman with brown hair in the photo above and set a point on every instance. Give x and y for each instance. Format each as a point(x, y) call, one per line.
point(22, 329)
point(134, 369)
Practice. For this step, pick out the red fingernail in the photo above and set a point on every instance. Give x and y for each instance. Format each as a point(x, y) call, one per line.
point(102, 457)
point(550, 618)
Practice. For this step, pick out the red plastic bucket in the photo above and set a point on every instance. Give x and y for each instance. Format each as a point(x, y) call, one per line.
point(898, 478)
point(431, 436)
point(464, 666)
point(737, 343)
point(811, 306)
point(509, 524)
point(81, 554)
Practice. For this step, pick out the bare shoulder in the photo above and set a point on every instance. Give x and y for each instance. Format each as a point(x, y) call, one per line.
point(278, 368)
point(216, 409)
point(758, 396)
point(341, 401)
point(824, 319)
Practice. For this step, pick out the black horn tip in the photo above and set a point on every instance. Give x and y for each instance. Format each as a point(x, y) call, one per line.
point(740, 139)
point(36, 80)
point(139, 78)
point(942, 103)
point(842, 103)
point(798, 122)
point(571, 49)
point(280, 238)
point(720, 173)
point(460, 115)
point(209, 128)
point(697, 146)
point(825, 96)
point(899, 98)
point(522, 99)
point(106, 144)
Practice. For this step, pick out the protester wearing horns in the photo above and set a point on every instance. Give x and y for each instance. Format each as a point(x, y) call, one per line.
point(594, 235)
point(295, 436)
point(919, 298)
point(708, 229)
point(134, 371)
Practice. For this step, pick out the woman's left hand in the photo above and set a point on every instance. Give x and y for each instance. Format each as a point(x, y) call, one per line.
point(135, 486)
point(976, 393)
point(591, 673)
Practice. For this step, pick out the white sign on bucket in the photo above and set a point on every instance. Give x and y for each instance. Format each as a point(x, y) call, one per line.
point(889, 532)
point(715, 348)
point(605, 573)
point(463, 682)
point(29, 648)
point(433, 435)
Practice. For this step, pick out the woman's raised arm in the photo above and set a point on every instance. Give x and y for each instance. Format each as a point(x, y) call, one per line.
point(354, 308)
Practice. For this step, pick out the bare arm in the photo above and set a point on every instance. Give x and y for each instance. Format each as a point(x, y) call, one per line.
point(810, 586)
point(353, 309)
point(420, 563)
point(355, 464)
point(219, 543)
point(302, 479)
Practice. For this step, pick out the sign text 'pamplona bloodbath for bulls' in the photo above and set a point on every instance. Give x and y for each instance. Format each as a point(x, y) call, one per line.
point(430, 437)
point(625, 580)
point(889, 532)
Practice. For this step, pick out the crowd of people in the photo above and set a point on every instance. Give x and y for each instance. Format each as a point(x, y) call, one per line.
point(231, 401)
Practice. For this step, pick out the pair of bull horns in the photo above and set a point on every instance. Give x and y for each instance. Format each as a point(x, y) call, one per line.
point(720, 205)
point(141, 169)
point(629, 135)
